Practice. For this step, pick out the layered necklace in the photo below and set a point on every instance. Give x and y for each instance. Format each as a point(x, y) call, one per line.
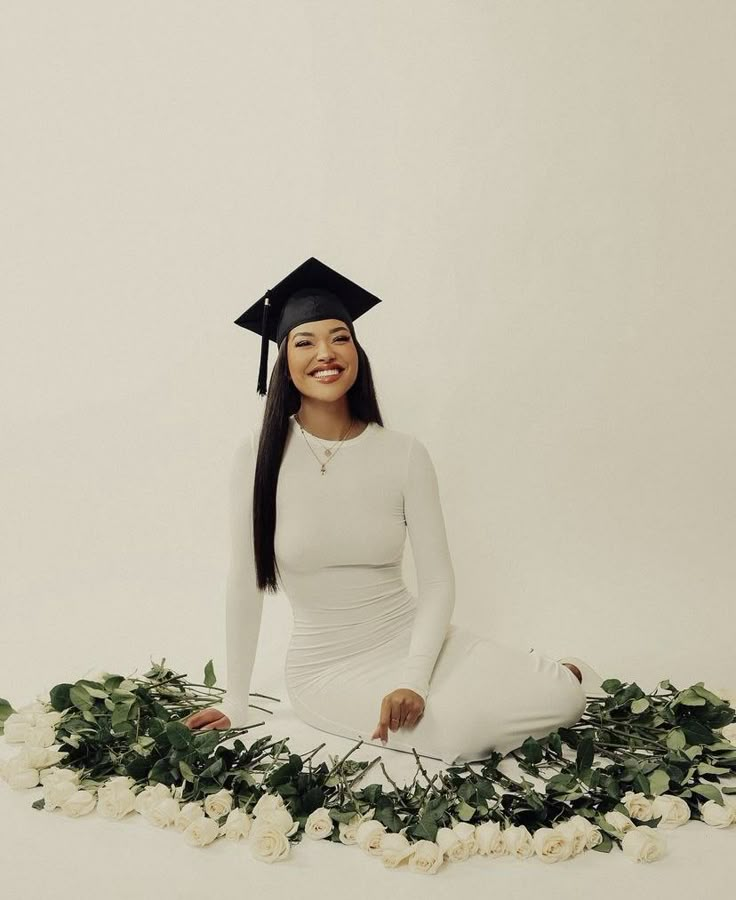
point(329, 452)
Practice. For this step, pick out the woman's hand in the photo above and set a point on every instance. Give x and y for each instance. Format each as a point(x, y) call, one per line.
point(402, 707)
point(207, 719)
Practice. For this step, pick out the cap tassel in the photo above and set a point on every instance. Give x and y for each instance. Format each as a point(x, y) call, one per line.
point(264, 348)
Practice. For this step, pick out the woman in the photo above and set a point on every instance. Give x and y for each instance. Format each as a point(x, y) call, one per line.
point(323, 494)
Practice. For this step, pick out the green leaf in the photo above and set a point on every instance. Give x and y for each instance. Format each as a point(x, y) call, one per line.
point(5, 710)
point(80, 697)
point(708, 790)
point(689, 698)
point(611, 685)
point(705, 768)
point(659, 782)
point(59, 697)
point(532, 750)
point(703, 692)
point(676, 739)
point(464, 812)
point(92, 688)
point(120, 713)
point(179, 735)
point(209, 674)
point(638, 706)
point(213, 770)
point(584, 756)
point(186, 771)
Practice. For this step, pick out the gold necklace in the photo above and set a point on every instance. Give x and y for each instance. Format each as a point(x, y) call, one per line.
point(328, 451)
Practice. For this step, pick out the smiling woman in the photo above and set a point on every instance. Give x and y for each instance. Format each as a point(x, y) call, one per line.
point(367, 659)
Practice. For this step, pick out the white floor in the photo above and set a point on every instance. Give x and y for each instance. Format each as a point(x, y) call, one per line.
point(47, 854)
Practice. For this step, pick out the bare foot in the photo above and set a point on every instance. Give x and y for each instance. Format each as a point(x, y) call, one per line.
point(575, 671)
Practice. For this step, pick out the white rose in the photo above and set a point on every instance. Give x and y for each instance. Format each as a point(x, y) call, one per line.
point(268, 802)
point(201, 831)
point(519, 841)
point(57, 792)
point(451, 845)
point(638, 805)
point(643, 844)
point(52, 717)
point(219, 804)
point(552, 844)
point(267, 843)
point(31, 710)
point(162, 813)
point(40, 757)
point(115, 800)
point(426, 857)
point(120, 782)
point(595, 836)
point(237, 825)
point(16, 729)
point(348, 830)
point(577, 831)
point(55, 774)
point(150, 795)
point(188, 813)
point(395, 849)
point(716, 815)
point(674, 810)
point(368, 836)
point(280, 819)
point(79, 803)
point(490, 839)
point(19, 774)
point(319, 824)
point(466, 832)
point(729, 733)
point(40, 736)
point(619, 821)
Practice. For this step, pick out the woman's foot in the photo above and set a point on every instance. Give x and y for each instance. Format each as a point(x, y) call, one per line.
point(591, 681)
point(575, 671)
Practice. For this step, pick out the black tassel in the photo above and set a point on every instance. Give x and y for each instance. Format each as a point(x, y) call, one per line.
point(264, 348)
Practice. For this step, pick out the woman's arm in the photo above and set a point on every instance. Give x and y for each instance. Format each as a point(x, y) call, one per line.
point(435, 574)
point(244, 599)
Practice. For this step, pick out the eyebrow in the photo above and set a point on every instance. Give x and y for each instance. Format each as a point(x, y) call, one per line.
point(311, 333)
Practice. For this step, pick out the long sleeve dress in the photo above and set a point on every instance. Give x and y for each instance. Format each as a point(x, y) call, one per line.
point(358, 632)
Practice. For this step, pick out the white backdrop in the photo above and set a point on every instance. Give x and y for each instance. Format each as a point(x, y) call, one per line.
point(542, 193)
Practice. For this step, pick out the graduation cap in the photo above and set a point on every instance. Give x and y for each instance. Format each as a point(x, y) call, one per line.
point(313, 291)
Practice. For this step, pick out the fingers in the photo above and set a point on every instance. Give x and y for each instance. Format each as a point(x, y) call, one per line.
point(381, 731)
point(206, 719)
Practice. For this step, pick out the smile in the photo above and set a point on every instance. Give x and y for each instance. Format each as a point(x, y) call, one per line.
point(328, 378)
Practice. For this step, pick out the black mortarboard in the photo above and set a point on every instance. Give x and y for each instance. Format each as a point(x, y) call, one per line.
point(313, 291)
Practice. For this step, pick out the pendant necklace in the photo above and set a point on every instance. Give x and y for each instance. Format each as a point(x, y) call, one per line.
point(329, 451)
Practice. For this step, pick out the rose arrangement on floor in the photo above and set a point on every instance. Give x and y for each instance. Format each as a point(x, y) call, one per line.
point(117, 745)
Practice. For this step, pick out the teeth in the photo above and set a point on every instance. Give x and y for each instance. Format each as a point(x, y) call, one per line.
point(326, 373)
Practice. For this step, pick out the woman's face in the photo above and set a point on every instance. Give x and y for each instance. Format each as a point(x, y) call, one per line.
point(326, 344)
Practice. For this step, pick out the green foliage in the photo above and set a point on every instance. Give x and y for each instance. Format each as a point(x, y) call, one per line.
point(667, 741)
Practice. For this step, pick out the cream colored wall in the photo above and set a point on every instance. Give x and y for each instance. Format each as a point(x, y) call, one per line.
point(542, 192)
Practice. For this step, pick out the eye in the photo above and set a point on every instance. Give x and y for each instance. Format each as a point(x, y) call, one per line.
point(341, 337)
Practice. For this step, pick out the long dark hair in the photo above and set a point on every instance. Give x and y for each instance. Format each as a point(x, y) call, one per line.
point(283, 399)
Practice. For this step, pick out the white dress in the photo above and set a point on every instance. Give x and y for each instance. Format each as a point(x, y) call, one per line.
point(358, 632)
